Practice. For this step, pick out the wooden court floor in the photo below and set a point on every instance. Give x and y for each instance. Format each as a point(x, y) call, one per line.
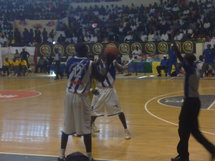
point(33, 125)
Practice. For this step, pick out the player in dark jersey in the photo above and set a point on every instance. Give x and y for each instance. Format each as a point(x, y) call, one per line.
point(188, 118)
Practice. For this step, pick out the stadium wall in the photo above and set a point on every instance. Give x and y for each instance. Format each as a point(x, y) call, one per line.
point(123, 2)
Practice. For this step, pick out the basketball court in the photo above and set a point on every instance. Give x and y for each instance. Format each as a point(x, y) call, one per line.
point(31, 119)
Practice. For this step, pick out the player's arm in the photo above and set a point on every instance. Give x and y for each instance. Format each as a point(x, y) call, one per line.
point(120, 67)
point(99, 75)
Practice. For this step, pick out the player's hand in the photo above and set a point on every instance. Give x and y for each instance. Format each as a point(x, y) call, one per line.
point(94, 91)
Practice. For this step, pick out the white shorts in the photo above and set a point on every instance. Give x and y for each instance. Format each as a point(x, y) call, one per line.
point(106, 103)
point(77, 114)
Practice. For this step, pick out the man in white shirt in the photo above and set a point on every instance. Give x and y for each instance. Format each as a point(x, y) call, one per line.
point(136, 53)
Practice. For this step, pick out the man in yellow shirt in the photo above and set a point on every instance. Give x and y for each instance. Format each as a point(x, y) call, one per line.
point(7, 64)
point(16, 66)
point(23, 66)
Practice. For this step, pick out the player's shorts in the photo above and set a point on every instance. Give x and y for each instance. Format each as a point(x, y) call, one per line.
point(106, 103)
point(77, 114)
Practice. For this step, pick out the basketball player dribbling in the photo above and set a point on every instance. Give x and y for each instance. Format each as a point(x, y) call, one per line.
point(106, 102)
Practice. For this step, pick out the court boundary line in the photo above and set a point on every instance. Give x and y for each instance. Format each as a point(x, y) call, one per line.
point(43, 155)
point(209, 108)
point(162, 119)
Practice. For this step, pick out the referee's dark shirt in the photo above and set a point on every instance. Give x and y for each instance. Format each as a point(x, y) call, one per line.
point(191, 81)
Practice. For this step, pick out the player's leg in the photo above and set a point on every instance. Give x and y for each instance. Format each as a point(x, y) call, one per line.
point(170, 68)
point(159, 70)
point(94, 128)
point(98, 107)
point(64, 140)
point(176, 68)
point(88, 145)
point(113, 108)
point(165, 70)
point(123, 120)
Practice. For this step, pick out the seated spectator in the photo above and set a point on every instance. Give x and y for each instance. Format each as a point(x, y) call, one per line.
point(23, 67)
point(136, 54)
point(16, 66)
point(163, 66)
point(7, 65)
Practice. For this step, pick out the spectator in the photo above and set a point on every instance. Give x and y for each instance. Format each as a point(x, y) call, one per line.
point(16, 55)
point(7, 66)
point(209, 56)
point(41, 66)
point(45, 35)
point(16, 66)
point(172, 61)
point(25, 55)
point(163, 66)
point(57, 60)
point(136, 53)
point(23, 67)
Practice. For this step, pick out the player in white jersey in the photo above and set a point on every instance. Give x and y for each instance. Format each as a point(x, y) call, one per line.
point(77, 110)
point(106, 102)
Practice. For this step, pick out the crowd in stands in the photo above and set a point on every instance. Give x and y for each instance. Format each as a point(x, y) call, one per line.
point(109, 23)
point(30, 9)
point(136, 23)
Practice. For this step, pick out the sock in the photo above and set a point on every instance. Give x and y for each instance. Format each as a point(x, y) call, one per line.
point(89, 155)
point(62, 153)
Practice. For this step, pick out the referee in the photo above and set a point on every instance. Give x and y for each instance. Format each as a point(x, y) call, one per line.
point(188, 118)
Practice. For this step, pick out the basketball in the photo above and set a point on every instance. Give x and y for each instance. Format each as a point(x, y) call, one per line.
point(111, 52)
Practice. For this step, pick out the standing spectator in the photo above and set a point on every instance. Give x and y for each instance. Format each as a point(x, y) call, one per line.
point(17, 37)
point(49, 63)
point(26, 36)
point(45, 35)
point(51, 34)
point(163, 66)
point(16, 55)
point(57, 60)
point(25, 55)
point(31, 36)
point(37, 36)
point(172, 61)
point(61, 39)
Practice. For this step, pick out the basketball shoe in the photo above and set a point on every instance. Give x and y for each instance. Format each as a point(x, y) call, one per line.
point(127, 134)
